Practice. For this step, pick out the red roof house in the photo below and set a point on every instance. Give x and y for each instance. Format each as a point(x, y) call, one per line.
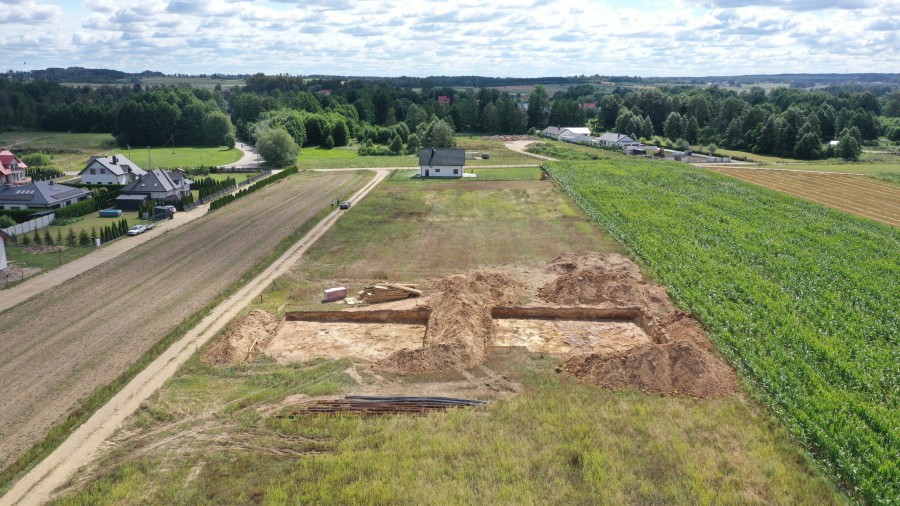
point(589, 105)
point(444, 100)
point(12, 170)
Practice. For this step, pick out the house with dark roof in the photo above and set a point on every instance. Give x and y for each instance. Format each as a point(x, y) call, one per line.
point(158, 185)
point(441, 162)
point(12, 170)
point(41, 195)
point(114, 169)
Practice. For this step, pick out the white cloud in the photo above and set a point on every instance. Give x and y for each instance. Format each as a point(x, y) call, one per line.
point(502, 37)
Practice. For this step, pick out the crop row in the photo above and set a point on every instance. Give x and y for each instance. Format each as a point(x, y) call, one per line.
point(803, 300)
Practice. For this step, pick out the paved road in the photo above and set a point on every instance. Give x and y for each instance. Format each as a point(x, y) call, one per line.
point(250, 159)
point(37, 486)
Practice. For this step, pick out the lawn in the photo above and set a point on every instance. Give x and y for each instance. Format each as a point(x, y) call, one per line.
point(211, 435)
point(32, 258)
point(346, 157)
point(802, 299)
point(70, 152)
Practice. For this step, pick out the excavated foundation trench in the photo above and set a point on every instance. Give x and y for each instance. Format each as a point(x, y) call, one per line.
point(374, 335)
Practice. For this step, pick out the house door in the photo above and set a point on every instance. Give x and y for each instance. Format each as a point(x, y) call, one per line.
point(426, 172)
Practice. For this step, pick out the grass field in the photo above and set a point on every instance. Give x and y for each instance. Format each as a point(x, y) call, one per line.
point(193, 82)
point(70, 152)
point(210, 435)
point(802, 299)
point(346, 157)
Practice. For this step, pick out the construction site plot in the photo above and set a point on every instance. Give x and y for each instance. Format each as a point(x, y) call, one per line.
point(565, 336)
point(299, 341)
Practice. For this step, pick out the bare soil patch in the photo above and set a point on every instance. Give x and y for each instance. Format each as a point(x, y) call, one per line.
point(859, 195)
point(611, 328)
point(65, 343)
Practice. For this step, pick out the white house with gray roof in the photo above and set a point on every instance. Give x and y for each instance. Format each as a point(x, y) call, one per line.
point(114, 169)
point(41, 195)
point(616, 140)
point(441, 162)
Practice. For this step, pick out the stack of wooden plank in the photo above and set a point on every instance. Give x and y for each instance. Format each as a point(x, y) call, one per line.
point(388, 292)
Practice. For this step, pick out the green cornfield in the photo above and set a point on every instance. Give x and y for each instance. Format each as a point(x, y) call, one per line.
point(803, 300)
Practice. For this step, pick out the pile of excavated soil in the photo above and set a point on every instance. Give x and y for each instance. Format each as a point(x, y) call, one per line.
point(597, 279)
point(460, 325)
point(251, 333)
point(682, 361)
point(677, 368)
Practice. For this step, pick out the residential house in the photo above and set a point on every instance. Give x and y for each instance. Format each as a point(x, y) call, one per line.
point(441, 162)
point(611, 139)
point(570, 132)
point(114, 169)
point(41, 195)
point(444, 100)
point(4, 238)
point(589, 106)
point(157, 185)
point(580, 138)
point(12, 170)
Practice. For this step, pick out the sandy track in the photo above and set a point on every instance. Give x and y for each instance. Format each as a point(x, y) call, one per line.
point(37, 486)
point(854, 194)
point(520, 146)
point(66, 342)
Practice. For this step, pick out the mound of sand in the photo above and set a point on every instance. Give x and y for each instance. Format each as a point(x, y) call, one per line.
point(678, 368)
point(460, 325)
point(249, 334)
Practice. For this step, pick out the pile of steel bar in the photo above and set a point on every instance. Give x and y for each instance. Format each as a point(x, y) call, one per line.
point(365, 405)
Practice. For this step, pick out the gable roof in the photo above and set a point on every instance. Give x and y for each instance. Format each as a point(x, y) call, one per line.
point(614, 137)
point(157, 180)
point(117, 164)
point(40, 193)
point(442, 156)
point(552, 130)
point(6, 159)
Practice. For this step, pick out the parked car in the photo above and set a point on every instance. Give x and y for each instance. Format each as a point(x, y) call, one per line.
point(345, 204)
point(137, 229)
point(170, 208)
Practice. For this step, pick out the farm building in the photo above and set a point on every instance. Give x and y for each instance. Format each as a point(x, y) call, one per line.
point(616, 140)
point(441, 162)
point(160, 185)
point(12, 170)
point(4, 238)
point(41, 195)
point(114, 169)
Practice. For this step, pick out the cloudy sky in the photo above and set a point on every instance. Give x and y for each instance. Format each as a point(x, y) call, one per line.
point(521, 38)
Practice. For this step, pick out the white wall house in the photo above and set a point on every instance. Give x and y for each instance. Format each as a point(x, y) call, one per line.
point(577, 138)
point(114, 169)
point(3, 239)
point(441, 162)
point(616, 140)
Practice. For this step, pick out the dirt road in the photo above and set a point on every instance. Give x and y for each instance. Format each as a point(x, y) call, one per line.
point(519, 147)
point(37, 486)
point(67, 341)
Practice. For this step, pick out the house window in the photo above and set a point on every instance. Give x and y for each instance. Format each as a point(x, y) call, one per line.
point(455, 171)
point(93, 171)
point(437, 170)
point(103, 171)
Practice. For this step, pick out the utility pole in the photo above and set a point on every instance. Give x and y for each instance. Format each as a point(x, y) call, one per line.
point(149, 161)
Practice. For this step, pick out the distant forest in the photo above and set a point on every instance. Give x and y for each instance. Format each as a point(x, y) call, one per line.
point(394, 115)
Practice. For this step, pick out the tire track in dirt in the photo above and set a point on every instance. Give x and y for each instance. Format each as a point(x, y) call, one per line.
point(63, 344)
point(852, 194)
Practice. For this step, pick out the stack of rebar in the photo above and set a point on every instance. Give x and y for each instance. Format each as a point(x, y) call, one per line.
point(365, 405)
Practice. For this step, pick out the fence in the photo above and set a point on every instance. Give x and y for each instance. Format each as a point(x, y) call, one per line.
point(28, 226)
point(214, 196)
